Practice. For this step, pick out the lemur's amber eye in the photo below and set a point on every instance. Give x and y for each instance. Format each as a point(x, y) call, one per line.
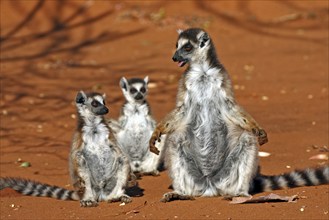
point(94, 103)
point(188, 47)
point(143, 90)
point(133, 90)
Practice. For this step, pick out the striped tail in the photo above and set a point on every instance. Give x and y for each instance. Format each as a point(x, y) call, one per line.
point(297, 178)
point(33, 188)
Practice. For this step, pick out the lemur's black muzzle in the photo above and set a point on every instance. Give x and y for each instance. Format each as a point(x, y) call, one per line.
point(139, 96)
point(178, 58)
point(102, 111)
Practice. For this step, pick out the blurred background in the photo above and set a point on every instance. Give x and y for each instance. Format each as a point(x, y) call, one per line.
point(275, 51)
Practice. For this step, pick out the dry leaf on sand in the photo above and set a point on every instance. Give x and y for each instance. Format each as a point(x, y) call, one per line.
point(319, 157)
point(268, 198)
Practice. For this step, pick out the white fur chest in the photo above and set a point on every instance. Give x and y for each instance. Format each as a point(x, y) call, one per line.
point(96, 138)
point(203, 100)
point(203, 84)
point(137, 118)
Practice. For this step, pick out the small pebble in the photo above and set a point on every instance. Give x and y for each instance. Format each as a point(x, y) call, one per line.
point(249, 68)
point(263, 154)
point(25, 164)
point(264, 98)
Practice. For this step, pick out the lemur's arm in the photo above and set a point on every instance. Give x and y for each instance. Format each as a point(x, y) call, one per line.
point(167, 125)
point(237, 115)
point(170, 122)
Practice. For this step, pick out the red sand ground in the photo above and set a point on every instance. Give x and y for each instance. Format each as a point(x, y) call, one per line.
point(276, 53)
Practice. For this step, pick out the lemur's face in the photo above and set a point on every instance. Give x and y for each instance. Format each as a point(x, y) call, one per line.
point(191, 46)
point(91, 103)
point(134, 90)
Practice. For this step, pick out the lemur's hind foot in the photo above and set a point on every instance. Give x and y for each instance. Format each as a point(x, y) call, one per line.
point(170, 196)
point(124, 198)
point(88, 203)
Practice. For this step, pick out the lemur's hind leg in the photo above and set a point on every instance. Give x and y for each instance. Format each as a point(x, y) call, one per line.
point(182, 181)
point(116, 192)
point(239, 168)
point(88, 197)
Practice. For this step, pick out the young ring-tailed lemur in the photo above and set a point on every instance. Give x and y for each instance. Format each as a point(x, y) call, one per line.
point(136, 126)
point(212, 143)
point(98, 168)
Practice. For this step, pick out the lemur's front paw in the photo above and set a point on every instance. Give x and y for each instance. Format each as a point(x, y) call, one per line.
point(261, 135)
point(88, 203)
point(155, 137)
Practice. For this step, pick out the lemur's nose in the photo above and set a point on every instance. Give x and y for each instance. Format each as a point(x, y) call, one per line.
point(176, 57)
point(104, 110)
point(139, 96)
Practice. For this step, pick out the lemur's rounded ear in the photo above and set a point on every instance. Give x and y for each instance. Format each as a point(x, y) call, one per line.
point(81, 97)
point(104, 96)
point(203, 38)
point(124, 83)
point(146, 79)
point(179, 31)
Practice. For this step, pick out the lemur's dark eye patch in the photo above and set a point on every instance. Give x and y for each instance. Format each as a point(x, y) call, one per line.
point(143, 90)
point(188, 47)
point(133, 90)
point(94, 103)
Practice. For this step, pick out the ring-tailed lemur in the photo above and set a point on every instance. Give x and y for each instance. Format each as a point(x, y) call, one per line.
point(135, 127)
point(98, 168)
point(212, 143)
